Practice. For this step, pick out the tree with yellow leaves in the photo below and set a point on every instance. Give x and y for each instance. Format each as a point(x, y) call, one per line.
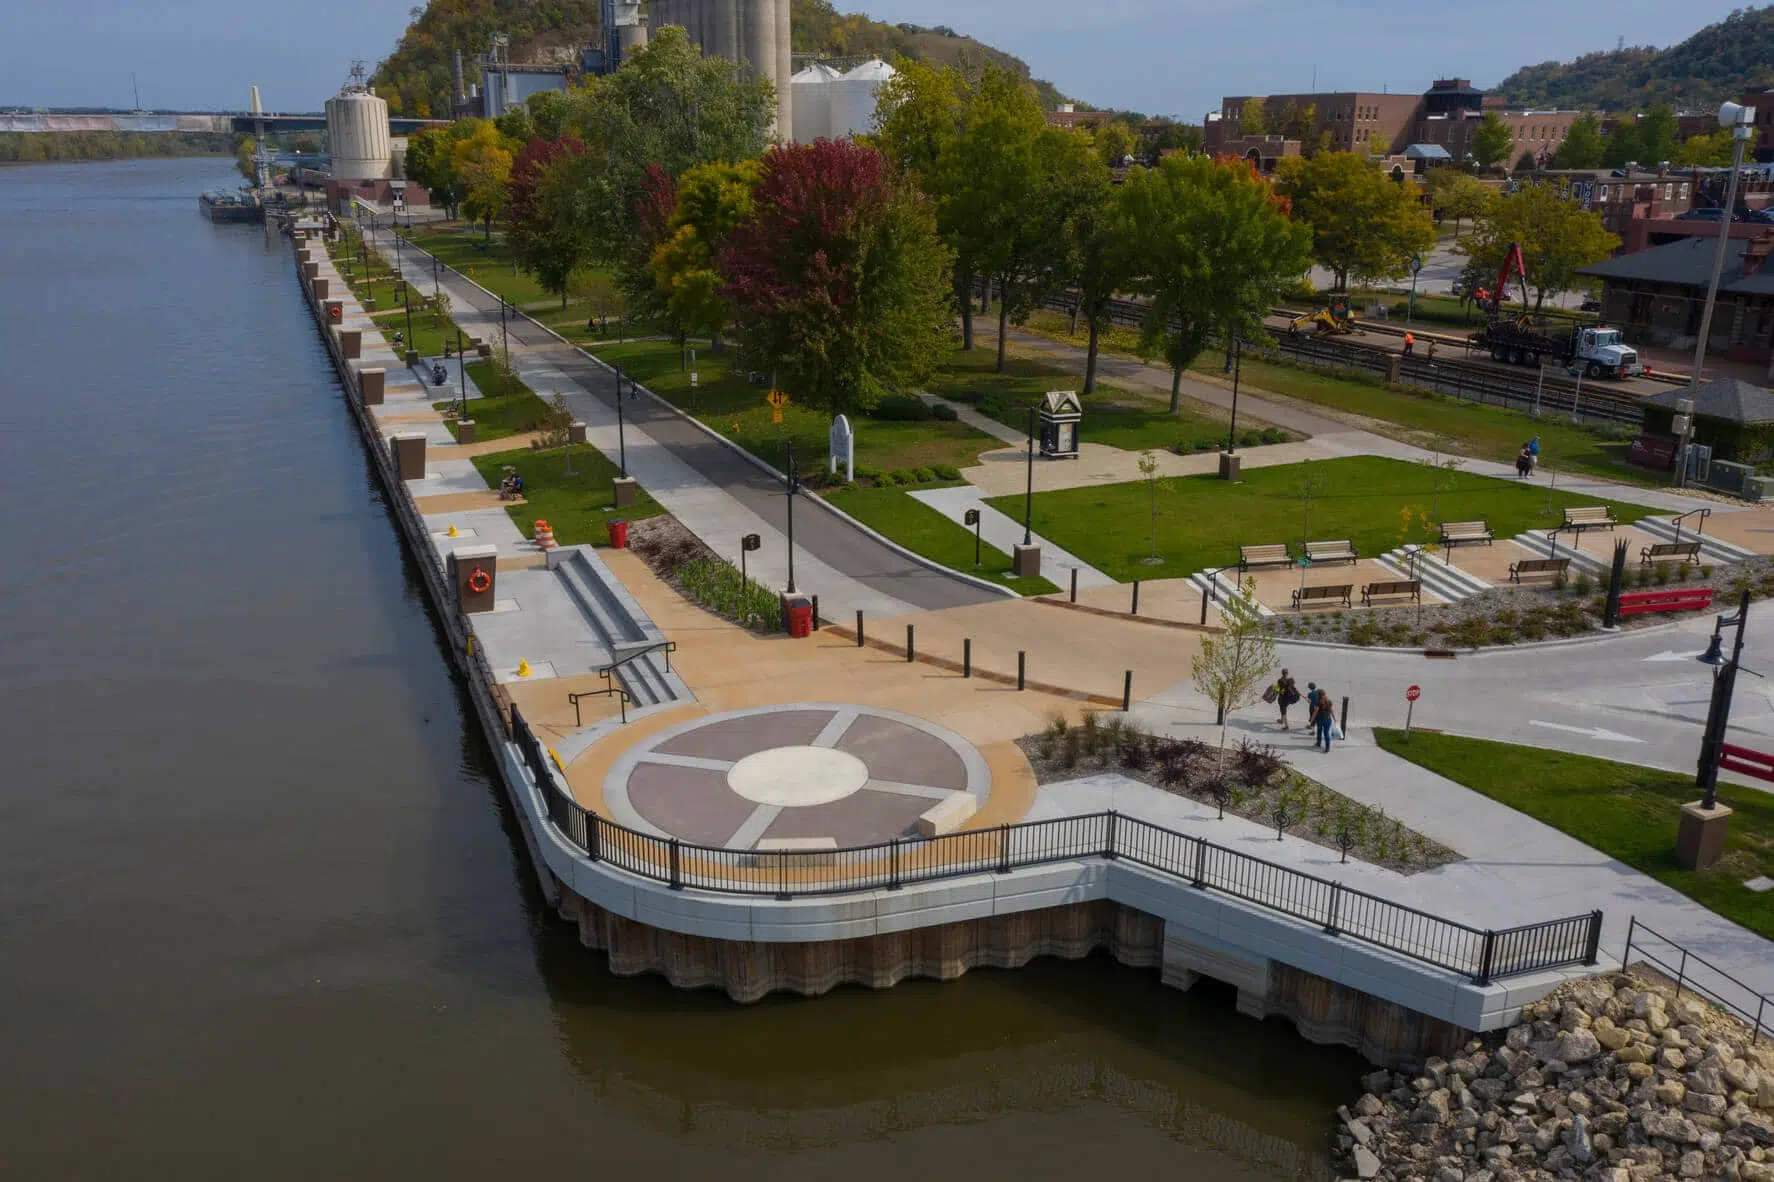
point(482, 165)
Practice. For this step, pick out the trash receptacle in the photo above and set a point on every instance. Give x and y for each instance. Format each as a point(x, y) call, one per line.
point(618, 534)
point(800, 620)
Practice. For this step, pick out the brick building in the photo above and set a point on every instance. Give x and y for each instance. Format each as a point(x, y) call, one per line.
point(1657, 296)
point(1070, 118)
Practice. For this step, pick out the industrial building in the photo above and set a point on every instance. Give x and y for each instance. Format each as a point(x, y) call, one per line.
point(365, 156)
point(752, 32)
point(832, 105)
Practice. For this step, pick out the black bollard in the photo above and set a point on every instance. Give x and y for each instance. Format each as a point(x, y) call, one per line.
point(909, 651)
point(859, 627)
point(816, 613)
point(1127, 692)
point(1074, 584)
point(1021, 668)
point(1135, 609)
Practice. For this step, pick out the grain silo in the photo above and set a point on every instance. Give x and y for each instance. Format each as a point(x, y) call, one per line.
point(752, 32)
point(357, 133)
point(854, 97)
point(813, 101)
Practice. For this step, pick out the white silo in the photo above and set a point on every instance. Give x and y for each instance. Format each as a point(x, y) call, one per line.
point(853, 98)
point(357, 133)
point(813, 102)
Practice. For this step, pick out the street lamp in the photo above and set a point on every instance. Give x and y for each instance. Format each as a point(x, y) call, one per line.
point(793, 484)
point(1029, 495)
point(1701, 838)
point(462, 367)
point(1740, 120)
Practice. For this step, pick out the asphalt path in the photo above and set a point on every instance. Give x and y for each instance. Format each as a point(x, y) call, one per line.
point(819, 532)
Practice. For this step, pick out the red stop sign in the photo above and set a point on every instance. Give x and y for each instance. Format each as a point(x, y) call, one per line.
point(1412, 694)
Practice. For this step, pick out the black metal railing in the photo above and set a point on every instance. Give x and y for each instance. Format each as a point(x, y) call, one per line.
point(667, 647)
point(1338, 910)
point(1699, 530)
point(1700, 976)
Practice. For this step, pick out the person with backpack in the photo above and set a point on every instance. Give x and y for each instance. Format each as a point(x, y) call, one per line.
point(1324, 721)
point(1286, 694)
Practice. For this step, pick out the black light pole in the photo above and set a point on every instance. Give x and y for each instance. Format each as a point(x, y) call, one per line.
point(1718, 718)
point(792, 482)
point(621, 430)
point(1237, 365)
point(1029, 495)
point(462, 368)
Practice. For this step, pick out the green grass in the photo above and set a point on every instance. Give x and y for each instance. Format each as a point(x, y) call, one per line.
point(734, 407)
point(486, 264)
point(498, 414)
point(576, 505)
point(1626, 812)
point(1113, 417)
point(1377, 503)
point(922, 529)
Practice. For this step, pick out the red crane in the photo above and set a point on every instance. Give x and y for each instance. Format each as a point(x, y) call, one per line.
point(1513, 264)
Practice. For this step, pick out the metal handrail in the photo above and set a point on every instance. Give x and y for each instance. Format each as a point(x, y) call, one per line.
point(607, 691)
point(1704, 512)
point(668, 647)
point(1482, 955)
point(1683, 980)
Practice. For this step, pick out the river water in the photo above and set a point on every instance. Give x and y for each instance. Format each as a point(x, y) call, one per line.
point(264, 912)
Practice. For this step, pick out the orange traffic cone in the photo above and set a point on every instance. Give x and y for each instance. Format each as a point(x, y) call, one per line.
point(544, 536)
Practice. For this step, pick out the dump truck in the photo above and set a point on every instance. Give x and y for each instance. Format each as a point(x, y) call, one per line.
point(1514, 339)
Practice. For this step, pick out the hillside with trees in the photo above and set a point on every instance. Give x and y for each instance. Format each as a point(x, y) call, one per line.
point(415, 78)
point(1717, 63)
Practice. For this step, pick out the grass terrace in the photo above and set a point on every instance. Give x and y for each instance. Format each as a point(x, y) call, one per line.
point(569, 488)
point(506, 406)
point(917, 526)
point(1377, 503)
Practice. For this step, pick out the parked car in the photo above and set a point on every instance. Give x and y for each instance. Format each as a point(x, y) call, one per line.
point(1760, 217)
point(1702, 215)
point(1590, 305)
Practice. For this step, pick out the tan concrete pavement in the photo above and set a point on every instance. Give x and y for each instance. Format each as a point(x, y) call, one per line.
point(1005, 472)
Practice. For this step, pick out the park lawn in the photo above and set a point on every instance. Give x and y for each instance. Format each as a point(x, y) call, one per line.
point(1626, 812)
point(736, 408)
point(1458, 426)
point(428, 337)
point(1376, 503)
point(487, 264)
point(497, 414)
point(921, 529)
point(1113, 417)
point(578, 505)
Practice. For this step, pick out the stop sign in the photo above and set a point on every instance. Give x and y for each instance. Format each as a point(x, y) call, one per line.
point(1412, 694)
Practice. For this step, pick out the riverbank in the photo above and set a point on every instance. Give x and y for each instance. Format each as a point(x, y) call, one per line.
point(49, 147)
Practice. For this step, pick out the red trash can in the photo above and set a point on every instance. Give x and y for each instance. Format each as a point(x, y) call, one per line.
point(800, 620)
point(618, 535)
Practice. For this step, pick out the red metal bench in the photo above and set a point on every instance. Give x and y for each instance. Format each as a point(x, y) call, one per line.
point(1746, 761)
point(1689, 599)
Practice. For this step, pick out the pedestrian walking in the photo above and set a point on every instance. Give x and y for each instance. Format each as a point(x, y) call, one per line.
point(1286, 694)
point(1524, 462)
point(1533, 454)
point(1324, 720)
point(1410, 344)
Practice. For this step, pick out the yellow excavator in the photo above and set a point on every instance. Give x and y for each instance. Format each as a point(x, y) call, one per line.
point(1334, 319)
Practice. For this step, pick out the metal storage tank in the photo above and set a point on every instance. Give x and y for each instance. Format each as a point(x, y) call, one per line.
point(357, 135)
point(853, 98)
point(813, 102)
point(785, 69)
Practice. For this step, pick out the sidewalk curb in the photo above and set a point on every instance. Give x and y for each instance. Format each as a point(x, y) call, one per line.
point(1599, 637)
point(927, 563)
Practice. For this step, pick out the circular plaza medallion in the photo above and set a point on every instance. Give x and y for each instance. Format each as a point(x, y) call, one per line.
point(801, 775)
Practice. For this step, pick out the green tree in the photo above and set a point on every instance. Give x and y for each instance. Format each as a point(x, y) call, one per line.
point(1582, 146)
point(1178, 137)
point(713, 201)
point(1491, 141)
point(840, 280)
point(1558, 237)
point(1710, 149)
point(1114, 143)
point(1253, 117)
point(1526, 162)
point(548, 111)
point(431, 160)
point(1657, 134)
point(543, 231)
point(1364, 226)
point(921, 118)
point(1455, 194)
point(1623, 146)
point(481, 164)
point(1100, 269)
point(244, 150)
point(1232, 667)
point(1210, 246)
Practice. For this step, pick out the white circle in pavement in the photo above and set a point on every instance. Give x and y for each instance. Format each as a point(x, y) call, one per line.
point(795, 777)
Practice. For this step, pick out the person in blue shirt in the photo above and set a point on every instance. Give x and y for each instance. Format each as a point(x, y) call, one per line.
point(1533, 454)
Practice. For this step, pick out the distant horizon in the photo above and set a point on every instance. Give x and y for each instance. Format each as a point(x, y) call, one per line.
point(1161, 57)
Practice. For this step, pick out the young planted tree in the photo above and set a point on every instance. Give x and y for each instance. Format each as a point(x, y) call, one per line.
point(1233, 666)
point(839, 280)
point(1148, 463)
point(1209, 245)
point(1365, 226)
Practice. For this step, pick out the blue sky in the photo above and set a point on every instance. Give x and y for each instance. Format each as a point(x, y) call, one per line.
point(1171, 57)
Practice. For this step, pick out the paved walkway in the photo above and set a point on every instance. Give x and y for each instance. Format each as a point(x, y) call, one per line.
point(1006, 534)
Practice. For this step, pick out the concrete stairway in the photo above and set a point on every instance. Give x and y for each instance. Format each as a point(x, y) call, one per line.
point(623, 628)
point(1445, 581)
point(1596, 562)
point(1224, 588)
point(1712, 550)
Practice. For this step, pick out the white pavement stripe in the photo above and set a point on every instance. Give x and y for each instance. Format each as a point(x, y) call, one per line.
point(833, 732)
point(1591, 732)
point(752, 829)
point(1006, 534)
point(689, 761)
point(895, 788)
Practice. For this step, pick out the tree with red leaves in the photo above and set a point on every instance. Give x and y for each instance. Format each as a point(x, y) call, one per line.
point(839, 280)
point(541, 227)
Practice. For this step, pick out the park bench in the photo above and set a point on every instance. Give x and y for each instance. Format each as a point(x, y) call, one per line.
point(1586, 517)
point(1686, 551)
point(1455, 533)
point(1538, 566)
point(798, 851)
point(1689, 599)
point(1343, 551)
point(947, 815)
point(1413, 588)
point(1275, 555)
point(1330, 591)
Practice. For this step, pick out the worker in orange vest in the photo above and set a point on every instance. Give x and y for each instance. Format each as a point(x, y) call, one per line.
point(1410, 343)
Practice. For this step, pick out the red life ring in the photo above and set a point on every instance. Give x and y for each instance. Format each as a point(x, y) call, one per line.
point(479, 581)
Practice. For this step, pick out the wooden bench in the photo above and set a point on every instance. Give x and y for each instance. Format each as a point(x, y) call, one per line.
point(947, 815)
point(1275, 555)
point(1587, 517)
point(1398, 587)
point(1458, 533)
point(1686, 551)
point(1330, 591)
point(1538, 566)
point(1343, 551)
